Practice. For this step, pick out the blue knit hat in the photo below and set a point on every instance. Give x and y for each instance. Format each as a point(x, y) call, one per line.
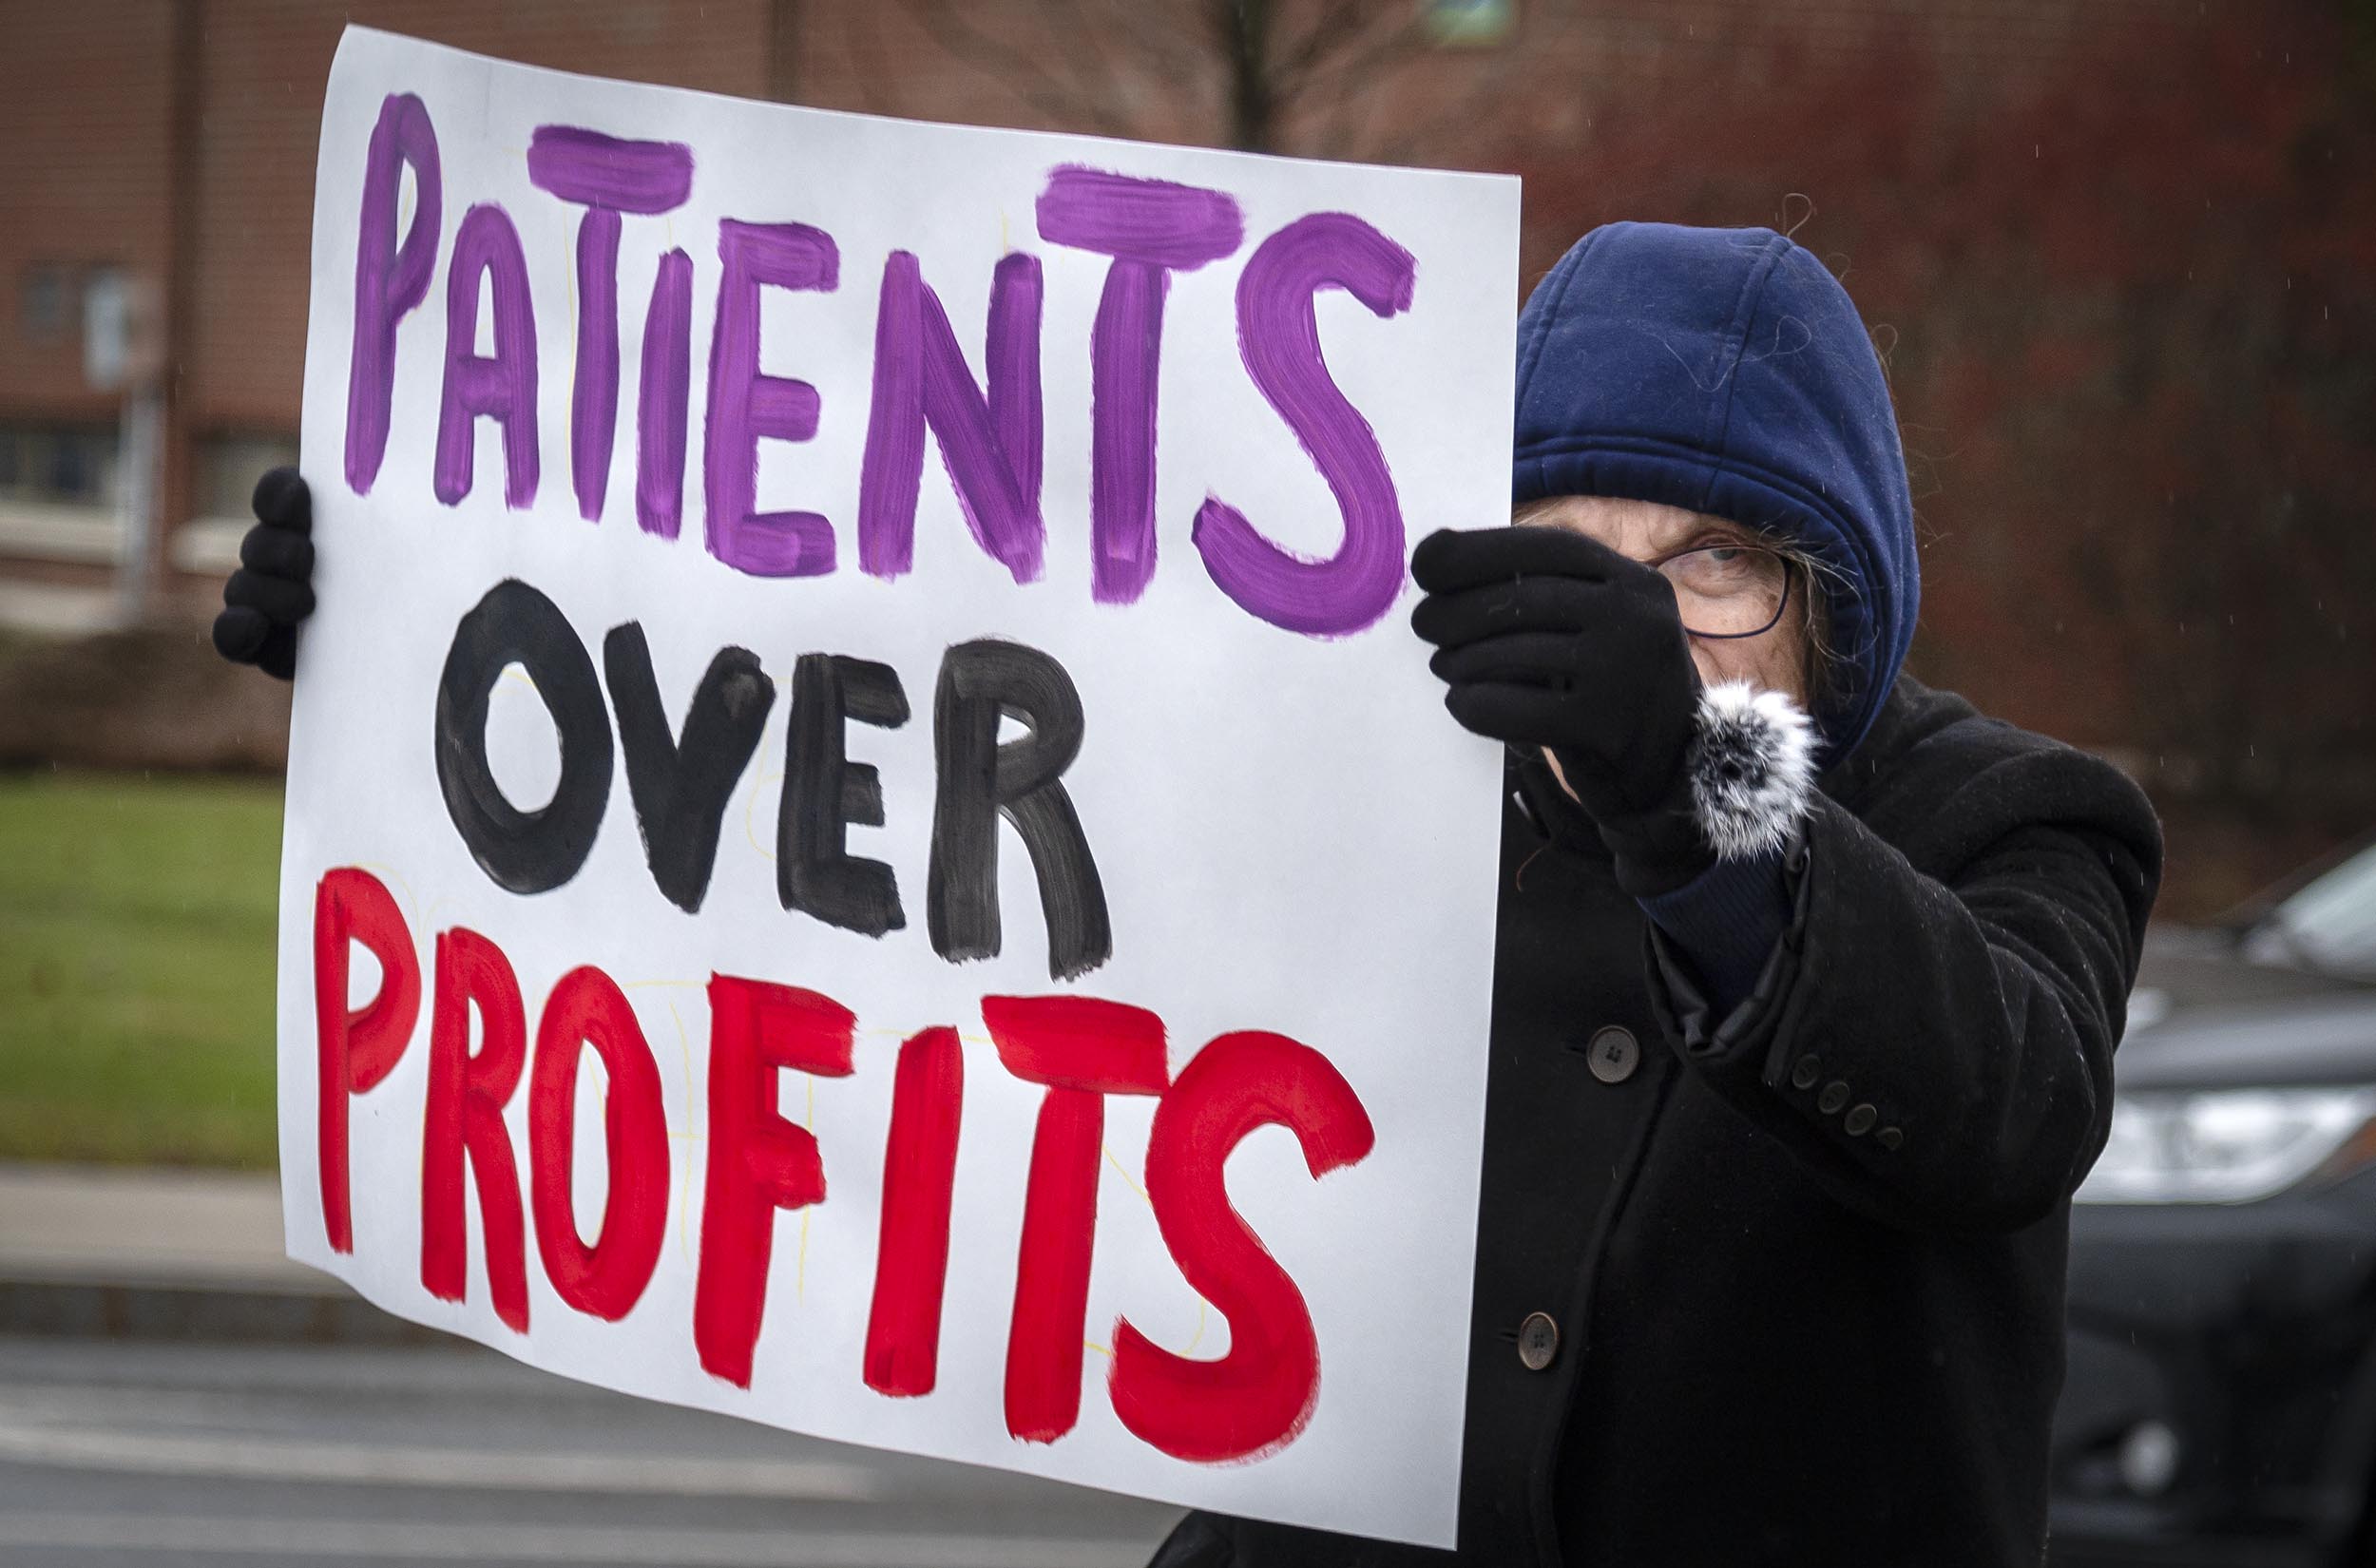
point(1726, 372)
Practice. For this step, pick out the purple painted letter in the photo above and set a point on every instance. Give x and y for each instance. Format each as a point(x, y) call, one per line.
point(607, 177)
point(745, 405)
point(1152, 229)
point(1280, 342)
point(990, 448)
point(503, 387)
point(660, 408)
point(389, 281)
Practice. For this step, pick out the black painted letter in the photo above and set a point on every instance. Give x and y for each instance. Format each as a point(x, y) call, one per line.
point(824, 793)
point(681, 790)
point(981, 780)
point(523, 852)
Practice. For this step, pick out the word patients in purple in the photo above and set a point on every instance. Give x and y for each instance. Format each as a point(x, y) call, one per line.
point(990, 433)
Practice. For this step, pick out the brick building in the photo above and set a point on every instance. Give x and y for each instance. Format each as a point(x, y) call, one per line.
point(165, 148)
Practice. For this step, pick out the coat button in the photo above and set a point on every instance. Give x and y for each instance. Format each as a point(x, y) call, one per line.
point(1612, 1055)
point(1538, 1341)
point(1834, 1096)
point(1860, 1121)
point(1804, 1074)
point(1889, 1137)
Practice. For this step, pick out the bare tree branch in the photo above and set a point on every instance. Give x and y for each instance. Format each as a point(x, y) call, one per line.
point(1358, 69)
point(1071, 23)
point(1155, 30)
point(1328, 66)
point(1414, 36)
point(1019, 69)
point(867, 57)
point(1335, 29)
point(1241, 31)
point(1469, 107)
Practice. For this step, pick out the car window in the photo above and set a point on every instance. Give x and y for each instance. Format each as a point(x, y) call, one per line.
point(2329, 924)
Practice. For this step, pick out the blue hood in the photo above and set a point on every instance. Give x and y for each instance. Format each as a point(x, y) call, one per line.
point(1725, 371)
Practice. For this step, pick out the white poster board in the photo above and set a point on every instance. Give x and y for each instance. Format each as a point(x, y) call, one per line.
point(861, 742)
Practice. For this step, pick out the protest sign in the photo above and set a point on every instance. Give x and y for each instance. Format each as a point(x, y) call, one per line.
point(778, 924)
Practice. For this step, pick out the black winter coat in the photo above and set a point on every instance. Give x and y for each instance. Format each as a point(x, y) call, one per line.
point(1787, 1287)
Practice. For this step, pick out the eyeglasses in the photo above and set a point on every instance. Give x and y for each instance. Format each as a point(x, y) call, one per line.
point(1725, 591)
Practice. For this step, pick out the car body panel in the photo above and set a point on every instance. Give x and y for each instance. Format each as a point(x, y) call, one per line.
point(2248, 1330)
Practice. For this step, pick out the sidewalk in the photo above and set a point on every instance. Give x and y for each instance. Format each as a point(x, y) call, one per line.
point(133, 1253)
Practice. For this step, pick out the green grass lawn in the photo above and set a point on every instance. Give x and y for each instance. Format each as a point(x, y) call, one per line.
point(136, 967)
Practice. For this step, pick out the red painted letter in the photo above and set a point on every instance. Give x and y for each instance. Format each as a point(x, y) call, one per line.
point(1259, 1396)
point(467, 1091)
point(903, 1330)
point(758, 1162)
point(606, 1278)
point(1083, 1049)
point(358, 1048)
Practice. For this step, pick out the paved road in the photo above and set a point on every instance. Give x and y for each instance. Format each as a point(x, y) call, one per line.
point(148, 1454)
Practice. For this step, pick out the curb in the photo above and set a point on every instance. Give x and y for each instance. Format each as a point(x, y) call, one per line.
point(104, 1251)
point(214, 1312)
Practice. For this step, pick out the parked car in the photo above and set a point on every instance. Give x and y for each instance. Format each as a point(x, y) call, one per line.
point(2220, 1407)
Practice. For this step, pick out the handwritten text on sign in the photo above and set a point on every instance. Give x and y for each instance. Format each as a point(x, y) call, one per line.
point(575, 892)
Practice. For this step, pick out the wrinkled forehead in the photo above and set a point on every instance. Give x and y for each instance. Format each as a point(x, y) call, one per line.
point(1639, 528)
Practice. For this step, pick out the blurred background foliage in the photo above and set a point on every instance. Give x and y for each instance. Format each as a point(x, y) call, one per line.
point(2124, 300)
point(137, 918)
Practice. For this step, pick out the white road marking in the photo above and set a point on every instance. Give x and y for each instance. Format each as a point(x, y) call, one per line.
point(228, 1457)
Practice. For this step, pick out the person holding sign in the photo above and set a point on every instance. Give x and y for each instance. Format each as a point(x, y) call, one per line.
point(1802, 1034)
point(1809, 977)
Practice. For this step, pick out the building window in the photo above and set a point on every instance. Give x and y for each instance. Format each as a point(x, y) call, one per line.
point(45, 299)
point(229, 466)
point(63, 464)
point(1471, 22)
point(110, 324)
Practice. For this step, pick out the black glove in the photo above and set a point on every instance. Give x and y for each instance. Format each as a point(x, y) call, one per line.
point(1550, 639)
point(273, 589)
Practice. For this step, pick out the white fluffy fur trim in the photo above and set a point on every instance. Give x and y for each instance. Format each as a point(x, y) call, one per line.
point(1752, 768)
